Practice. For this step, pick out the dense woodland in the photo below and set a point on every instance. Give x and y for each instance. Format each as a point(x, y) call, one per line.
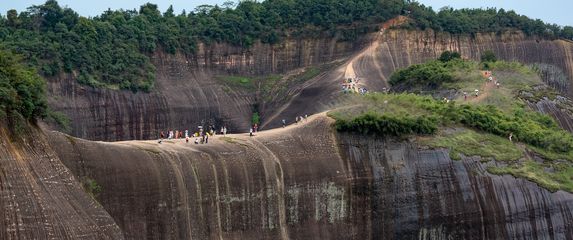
point(112, 50)
point(21, 90)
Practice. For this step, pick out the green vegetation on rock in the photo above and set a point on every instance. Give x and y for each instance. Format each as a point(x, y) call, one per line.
point(401, 114)
point(92, 187)
point(429, 75)
point(473, 143)
point(541, 151)
point(553, 176)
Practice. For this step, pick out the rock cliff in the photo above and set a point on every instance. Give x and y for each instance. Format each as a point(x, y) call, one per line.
point(40, 198)
point(188, 90)
point(289, 184)
point(392, 49)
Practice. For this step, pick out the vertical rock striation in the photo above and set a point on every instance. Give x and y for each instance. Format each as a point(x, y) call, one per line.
point(187, 90)
point(308, 182)
point(41, 199)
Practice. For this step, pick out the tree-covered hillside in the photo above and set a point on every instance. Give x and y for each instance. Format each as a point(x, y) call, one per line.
point(21, 89)
point(112, 50)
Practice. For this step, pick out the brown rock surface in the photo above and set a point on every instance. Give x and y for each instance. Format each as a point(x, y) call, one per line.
point(390, 50)
point(41, 199)
point(308, 182)
point(187, 90)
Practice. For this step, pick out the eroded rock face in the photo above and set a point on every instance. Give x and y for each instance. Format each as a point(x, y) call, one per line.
point(188, 90)
point(308, 182)
point(394, 49)
point(41, 199)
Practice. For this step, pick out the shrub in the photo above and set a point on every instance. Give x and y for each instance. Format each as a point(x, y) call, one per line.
point(488, 56)
point(385, 124)
point(448, 56)
point(529, 127)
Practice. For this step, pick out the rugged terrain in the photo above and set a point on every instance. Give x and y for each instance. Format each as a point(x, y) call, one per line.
point(307, 181)
point(189, 88)
point(41, 199)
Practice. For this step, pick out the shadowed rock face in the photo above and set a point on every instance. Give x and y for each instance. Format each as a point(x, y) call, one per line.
point(308, 182)
point(560, 109)
point(187, 90)
point(41, 199)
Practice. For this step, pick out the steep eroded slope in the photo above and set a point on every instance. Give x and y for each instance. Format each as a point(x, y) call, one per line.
point(306, 181)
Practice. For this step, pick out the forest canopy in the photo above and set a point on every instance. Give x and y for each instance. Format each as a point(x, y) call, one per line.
point(21, 89)
point(112, 50)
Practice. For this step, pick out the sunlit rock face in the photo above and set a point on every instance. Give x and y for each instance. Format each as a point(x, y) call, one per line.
point(309, 182)
point(391, 50)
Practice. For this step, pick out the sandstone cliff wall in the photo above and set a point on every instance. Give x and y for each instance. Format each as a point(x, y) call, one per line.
point(287, 184)
point(41, 199)
point(188, 90)
point(395, 49)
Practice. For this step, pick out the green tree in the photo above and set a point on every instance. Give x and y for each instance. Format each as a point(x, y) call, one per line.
point(256, 119)
point(488, 56)
point(447, 56)
point(21, 89)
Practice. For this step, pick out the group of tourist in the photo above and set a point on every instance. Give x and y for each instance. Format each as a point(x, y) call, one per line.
point(201, 135)
point(350, 86)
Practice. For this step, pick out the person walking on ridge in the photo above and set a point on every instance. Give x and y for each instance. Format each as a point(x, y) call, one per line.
point(161, 136)
point(284, 123)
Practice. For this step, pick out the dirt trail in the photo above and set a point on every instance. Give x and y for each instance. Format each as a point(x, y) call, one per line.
point(173, 144)
point(370, 51)
point(485, 91)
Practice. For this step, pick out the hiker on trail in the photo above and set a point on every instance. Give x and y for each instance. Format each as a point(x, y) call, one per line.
point(206, 138)
point(203, 138)
point(510, 136)
point(256, 127)
point(161, 136)
point(284, 123)
point(251, 132)
point(296, 119)
point(497, 84)
point(225, 130)
point(186, 133)
point(170, 134)
point(196, 140)
point(477, 92)
point(305, 117)
point(465, 96)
